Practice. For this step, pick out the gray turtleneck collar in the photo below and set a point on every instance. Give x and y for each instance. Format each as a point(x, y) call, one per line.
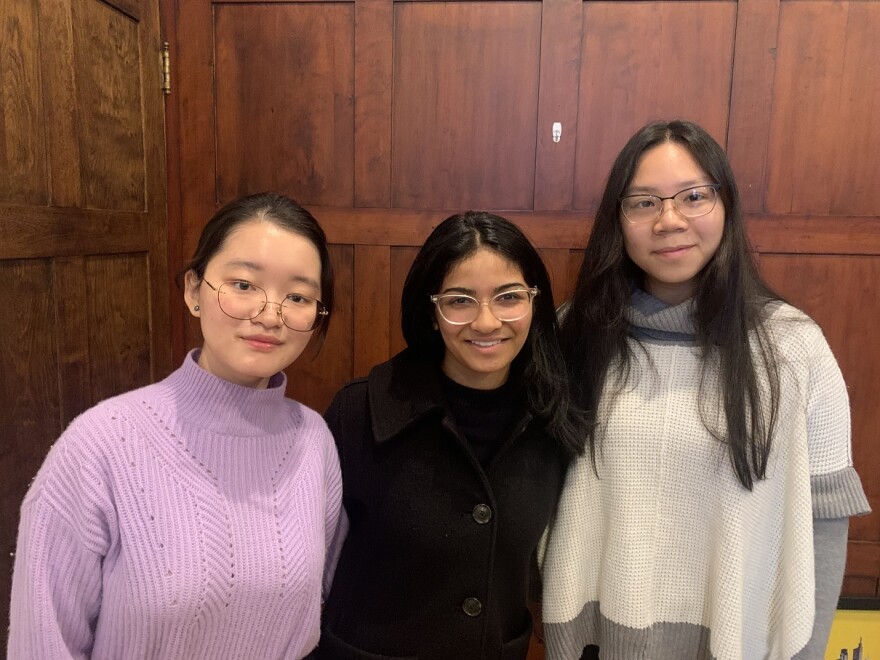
point(651, 318)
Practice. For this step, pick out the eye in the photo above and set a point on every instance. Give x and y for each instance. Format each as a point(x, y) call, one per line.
point(241, 286)
point(695, 195)
point(641, 202)
point(510, 297)
point(459, 301)
point(299, 299)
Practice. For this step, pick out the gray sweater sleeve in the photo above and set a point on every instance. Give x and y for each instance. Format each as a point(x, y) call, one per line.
point(829, 548)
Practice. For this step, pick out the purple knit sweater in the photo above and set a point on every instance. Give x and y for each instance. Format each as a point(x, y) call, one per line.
point(193, 518)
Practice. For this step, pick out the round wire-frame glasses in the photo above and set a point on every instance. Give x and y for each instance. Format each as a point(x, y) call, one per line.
point(507, 306)
point(691, 202)
point(239, 299)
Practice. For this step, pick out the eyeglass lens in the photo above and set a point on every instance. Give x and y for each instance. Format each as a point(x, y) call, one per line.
point(691, 203)
point(506, 306)
point(244, 301)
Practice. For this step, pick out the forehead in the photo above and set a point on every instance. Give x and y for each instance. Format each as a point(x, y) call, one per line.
point(667, 163)
point(486, 267)
point(262, 245)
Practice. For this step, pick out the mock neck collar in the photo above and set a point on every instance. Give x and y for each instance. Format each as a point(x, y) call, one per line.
point(212, 403)
point(651, 318)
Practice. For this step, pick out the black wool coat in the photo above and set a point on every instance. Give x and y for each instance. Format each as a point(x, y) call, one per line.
point(437, 560)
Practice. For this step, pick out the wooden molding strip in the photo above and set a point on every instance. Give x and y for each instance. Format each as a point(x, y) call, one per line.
point(569, 229)
point(30, 232)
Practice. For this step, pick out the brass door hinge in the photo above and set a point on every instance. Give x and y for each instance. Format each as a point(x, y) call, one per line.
point(166, 69)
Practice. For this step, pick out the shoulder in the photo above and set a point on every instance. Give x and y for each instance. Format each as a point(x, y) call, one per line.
point(78, 475)
point(795, 335)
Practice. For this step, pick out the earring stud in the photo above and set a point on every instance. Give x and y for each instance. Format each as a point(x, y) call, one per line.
point(196, 308)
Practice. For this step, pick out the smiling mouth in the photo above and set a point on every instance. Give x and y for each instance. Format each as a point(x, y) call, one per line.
point(485, 344)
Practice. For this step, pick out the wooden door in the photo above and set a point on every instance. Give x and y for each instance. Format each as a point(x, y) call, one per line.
point(83, 237)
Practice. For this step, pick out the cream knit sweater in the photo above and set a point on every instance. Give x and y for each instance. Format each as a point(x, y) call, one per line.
point(664, 555)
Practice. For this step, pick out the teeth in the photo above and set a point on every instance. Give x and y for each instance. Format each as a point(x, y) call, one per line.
point(485, 344)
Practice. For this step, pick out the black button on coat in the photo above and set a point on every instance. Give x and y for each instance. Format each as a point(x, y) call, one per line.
point(437, 560)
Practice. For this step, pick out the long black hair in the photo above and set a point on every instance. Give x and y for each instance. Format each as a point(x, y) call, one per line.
point(539, 365)
point(730, 304)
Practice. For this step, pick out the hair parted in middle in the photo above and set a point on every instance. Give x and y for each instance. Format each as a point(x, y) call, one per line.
point(730, 306)
point(539, 364)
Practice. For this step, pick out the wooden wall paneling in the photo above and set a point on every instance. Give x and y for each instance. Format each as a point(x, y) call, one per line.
point(23, 169)
point(860, 586)
point(412, 227)
point(557, 261)
point(71, 330)
point(754, 65)
point(401, 260)
point(119, 323)
point(285, 100)
point(30, 410)
point(824, 154)
point(465, 104)
point(372, 306)
point(38, 230)
point(62, 114)
point(106, 55)
point(313, 380)
point(815, 234)
point(855, 177)
point(193, 96)
point(557, 102)
point(645, 61)
point(837, 291)
point(373, 46)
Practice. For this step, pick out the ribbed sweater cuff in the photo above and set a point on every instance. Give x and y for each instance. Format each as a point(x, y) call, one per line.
point(838, 494)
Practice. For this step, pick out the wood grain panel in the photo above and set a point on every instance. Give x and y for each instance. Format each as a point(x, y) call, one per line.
point(560, 70)
point(372, 306)
point(754, 64)
point(855, 587)
point(62, 112)
point(48, 231)
point(119, 323)
point(824, 152)
point(314, 380)
point(109, 107)
point(401, 261)
point(29, 414)
point(373, 46)
point(71, 320)
point(285, 101)
point(465, 103)
point(838, 292)
point(557, 261)
point(644, 61)
point(23, 171)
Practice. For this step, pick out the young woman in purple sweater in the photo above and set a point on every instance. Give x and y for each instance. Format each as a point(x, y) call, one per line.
point(196, 517)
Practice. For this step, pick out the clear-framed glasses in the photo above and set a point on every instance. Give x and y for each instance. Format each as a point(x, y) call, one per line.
point(239, 299)
point(507, 306)
point(691, 203)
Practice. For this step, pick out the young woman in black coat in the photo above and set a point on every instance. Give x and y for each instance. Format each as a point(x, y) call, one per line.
point(453, 455)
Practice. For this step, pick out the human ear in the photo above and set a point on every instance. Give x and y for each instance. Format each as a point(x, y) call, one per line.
point(191, 290)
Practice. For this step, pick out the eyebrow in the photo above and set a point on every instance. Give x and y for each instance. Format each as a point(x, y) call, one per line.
point(651, 190)
point(473, 292)
point(252, 265)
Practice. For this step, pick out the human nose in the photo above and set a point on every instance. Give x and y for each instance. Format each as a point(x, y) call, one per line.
point(670, 218)
point(270, 316)
point(486, 320)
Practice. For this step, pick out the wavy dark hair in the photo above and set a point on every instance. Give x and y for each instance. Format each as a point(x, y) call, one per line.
point(539, 364)
point(281, 211)
point(730, 303)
